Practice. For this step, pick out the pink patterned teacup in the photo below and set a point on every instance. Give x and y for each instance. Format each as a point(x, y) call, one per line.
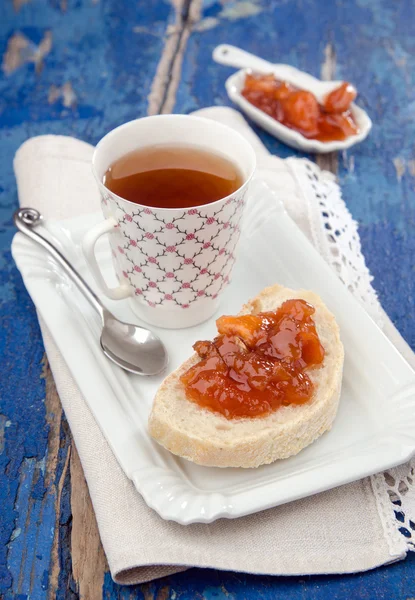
point(173, 264)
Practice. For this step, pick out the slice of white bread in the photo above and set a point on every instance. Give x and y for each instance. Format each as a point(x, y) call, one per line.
point(209, 438)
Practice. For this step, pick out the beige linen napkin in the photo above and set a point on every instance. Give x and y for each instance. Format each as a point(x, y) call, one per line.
point(338, 531)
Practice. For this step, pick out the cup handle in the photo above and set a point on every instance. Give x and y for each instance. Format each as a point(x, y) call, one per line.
point(88, 247)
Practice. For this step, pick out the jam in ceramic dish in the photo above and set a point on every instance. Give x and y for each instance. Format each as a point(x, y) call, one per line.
point(257, 363)
point(299, 109)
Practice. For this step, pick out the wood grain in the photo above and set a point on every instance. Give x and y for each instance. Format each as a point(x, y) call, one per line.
point(88, 558)
point(89, 564)
point(162, 96)
point(330, 161)
point(54, 419)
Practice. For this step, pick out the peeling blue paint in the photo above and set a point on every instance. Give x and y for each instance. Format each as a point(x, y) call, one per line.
point(15, 534)
point(29, 552)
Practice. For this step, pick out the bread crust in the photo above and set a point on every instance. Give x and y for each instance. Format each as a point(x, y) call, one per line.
point(207, 438)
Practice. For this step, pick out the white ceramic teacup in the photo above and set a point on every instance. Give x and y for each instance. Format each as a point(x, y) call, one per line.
point(172, 263)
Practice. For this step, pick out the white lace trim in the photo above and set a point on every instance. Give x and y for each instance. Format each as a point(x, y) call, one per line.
point(335, 232)
point(335, 235)
point(398, 486)
point(397, 543)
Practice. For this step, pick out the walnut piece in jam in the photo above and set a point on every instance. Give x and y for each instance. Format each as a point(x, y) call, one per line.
point(257, 363)
point(299, 109)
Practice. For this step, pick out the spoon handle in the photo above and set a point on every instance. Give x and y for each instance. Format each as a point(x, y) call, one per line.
point(26, 220)
point(225, 54)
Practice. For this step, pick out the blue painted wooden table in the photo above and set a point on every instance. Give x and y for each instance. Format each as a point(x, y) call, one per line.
point(81, 67)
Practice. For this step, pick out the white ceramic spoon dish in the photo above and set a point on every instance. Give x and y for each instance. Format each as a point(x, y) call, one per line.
point(246, 62)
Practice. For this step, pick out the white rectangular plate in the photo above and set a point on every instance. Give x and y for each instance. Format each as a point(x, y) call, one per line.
point(375, 426)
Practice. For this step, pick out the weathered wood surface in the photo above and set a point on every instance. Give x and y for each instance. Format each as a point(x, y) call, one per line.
point(81, 68)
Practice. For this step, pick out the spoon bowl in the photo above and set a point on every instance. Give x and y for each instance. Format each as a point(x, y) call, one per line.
point(131, 347)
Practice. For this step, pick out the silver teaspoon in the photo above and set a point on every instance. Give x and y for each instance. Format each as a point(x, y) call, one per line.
point(131, 347)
